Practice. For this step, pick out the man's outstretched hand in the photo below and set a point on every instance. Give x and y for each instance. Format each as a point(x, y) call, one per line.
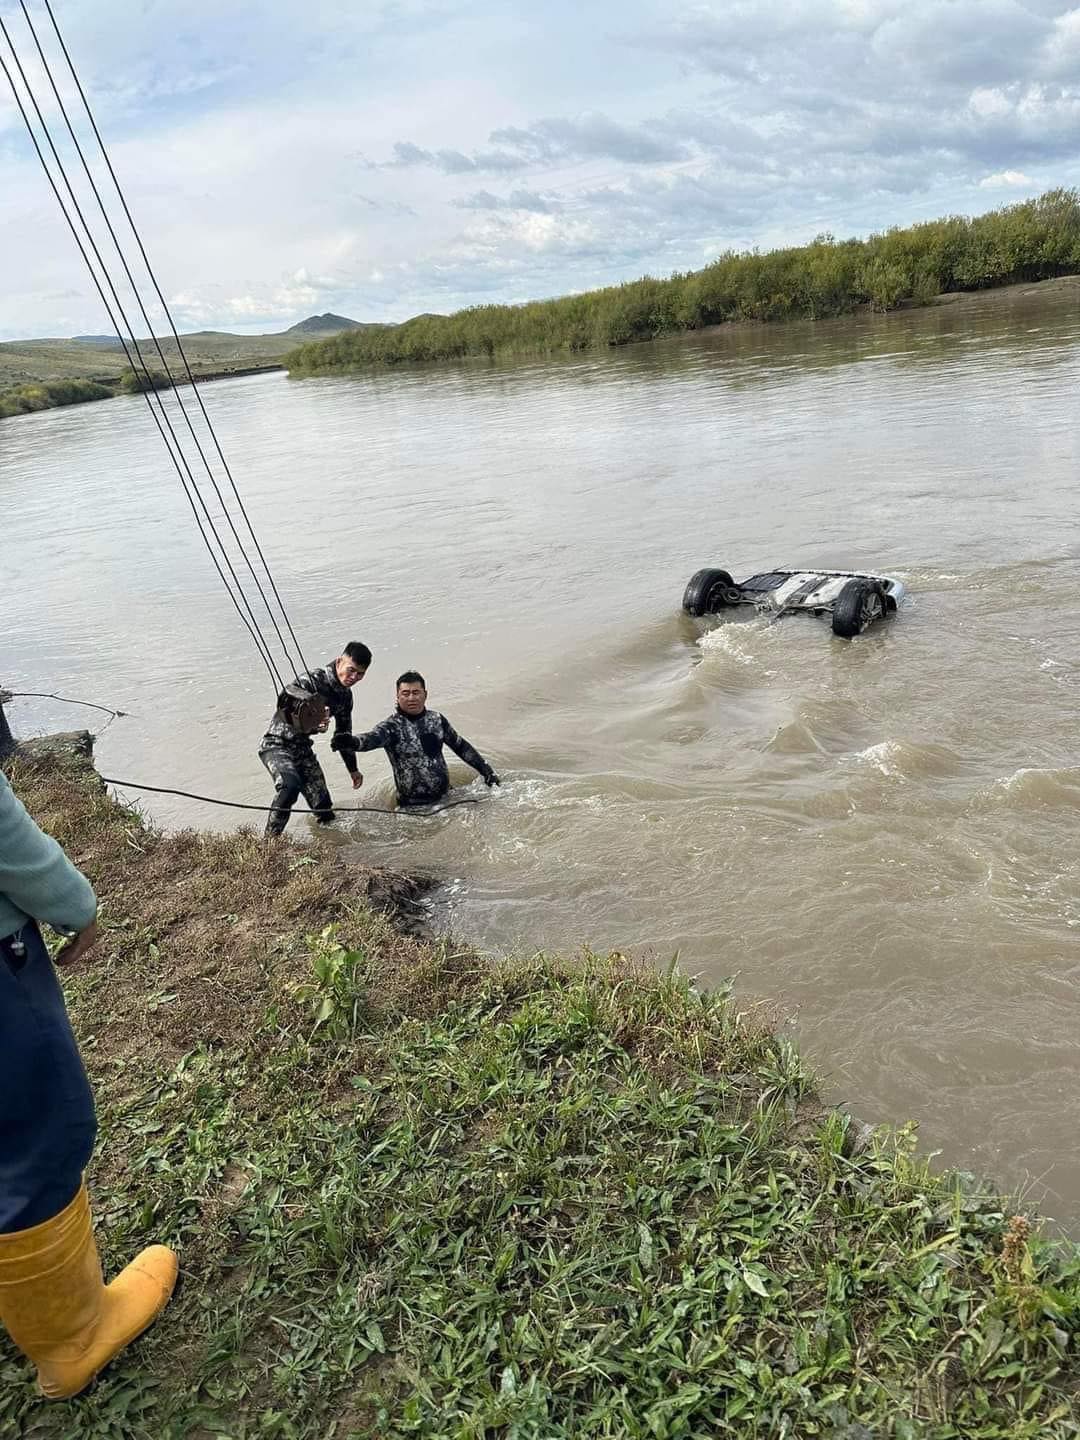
point(75, 949)
point(357, 779)
point(491, 779)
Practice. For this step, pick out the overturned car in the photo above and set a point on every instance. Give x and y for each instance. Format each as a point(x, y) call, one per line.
point(854, 599)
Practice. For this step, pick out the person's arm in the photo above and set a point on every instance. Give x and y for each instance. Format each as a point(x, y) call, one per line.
point(379, 737)
point(36, 875)
point(343, 740)
point(464, 751)
point(343, 716)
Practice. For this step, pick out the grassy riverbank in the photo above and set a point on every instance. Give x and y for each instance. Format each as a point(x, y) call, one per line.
point(42, 374)
point(418, 1194)
point(50, 394)
point(1031, 241)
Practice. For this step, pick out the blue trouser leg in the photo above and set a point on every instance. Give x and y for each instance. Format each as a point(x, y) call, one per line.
point(47, 1123)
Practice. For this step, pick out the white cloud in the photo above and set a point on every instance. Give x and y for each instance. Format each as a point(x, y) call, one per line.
point(1005, 179)
point(1062, 46)
point(986, 103)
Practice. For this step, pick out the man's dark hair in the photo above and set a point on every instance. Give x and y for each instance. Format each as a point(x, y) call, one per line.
point(358, 654)
point(411, 677)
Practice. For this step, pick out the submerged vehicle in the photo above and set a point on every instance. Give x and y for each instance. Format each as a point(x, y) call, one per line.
point(854, 598)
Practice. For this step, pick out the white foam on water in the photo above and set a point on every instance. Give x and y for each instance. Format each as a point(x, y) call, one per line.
point(884, 756)
point(738, 641)
point(1036, 787)
point(911, 760)
point(535, 793)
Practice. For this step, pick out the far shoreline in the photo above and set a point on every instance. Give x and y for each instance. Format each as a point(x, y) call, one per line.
point(112, 388)
point(1064, 287)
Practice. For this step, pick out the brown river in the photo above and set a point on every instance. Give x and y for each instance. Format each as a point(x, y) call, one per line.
point(880, 835)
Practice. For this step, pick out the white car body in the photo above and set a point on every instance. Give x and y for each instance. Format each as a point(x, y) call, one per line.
point(814, 590)
point(853, 598)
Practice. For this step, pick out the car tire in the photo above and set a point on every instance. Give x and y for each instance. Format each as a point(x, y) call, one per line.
point(707, 592)
point(858, 605)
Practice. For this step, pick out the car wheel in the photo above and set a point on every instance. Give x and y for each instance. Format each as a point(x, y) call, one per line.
point(709, 591)
point(858, 605)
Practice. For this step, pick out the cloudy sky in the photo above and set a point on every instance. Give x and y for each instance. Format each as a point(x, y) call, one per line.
point(382, 157)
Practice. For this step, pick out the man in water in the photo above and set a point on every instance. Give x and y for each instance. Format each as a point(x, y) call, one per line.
point(286, 749)
point(413, 738)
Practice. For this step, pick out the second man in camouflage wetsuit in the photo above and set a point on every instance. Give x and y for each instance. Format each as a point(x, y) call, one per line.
point(413, 738)
point(288, 753)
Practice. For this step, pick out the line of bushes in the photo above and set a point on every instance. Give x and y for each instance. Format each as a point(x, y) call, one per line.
point(1034, 240)
point(134, 382)
point(47, 394)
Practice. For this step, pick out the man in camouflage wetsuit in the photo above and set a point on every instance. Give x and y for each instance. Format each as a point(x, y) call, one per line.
point(287, 752)
point(413, 738)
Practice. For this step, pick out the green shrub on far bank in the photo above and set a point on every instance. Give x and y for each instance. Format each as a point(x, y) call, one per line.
point(45, 395)
point(133, 383)
point(48, 394)
point(1033, 240)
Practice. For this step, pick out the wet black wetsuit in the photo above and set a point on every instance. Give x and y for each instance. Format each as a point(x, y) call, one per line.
point(414, 747)
point(289, 755)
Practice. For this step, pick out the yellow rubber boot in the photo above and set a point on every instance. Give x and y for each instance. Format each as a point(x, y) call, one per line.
point(57, 1310)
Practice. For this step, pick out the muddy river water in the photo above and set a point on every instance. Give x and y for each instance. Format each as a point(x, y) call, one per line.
point(881, 835)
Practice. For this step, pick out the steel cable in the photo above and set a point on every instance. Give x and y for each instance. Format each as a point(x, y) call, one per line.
point(151, 388)
point(404, 812)
point(294, 664)
point(161, 420)
point(64, 700)
point(168, 315)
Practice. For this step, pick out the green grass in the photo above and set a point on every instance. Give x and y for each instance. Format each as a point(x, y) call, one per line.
point(1033, 240)
point(111, 374)
point(23, 399)
point(31, 362)
point(417, 1194)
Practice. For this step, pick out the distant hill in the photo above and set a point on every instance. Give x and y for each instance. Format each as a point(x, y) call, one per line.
point(327, 324)
point(209, 352)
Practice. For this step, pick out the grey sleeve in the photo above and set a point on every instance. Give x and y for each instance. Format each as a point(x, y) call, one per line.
point(463, 750)
point(379, 737)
